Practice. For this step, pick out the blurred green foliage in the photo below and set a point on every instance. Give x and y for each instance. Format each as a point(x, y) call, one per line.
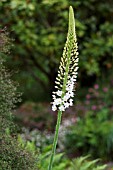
point(39, 29)
point(62, 162)
point(82, 163)
point(93, 135)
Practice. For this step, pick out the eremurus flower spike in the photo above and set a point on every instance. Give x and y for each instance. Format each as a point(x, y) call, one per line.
point(66, 78)
point(65, 81)
point(67, 73)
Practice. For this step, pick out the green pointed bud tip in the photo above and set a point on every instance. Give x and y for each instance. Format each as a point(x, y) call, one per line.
point(70, 8)
point(71, 20)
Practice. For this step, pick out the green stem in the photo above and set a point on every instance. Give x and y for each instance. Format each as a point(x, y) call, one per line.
point(55, 139)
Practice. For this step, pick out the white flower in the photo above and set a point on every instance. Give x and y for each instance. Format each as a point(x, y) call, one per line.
point(62, 108)
point(71, 88)
point(54, 97)
point(67, 88)
point(73, 79)
point(77, 60)
point(66, 97)
point(59, 93)
point(66, 105)
point(76, 69)
point(71, 102)
point(67, 73)
point(54, 108)
point(57, 101)
point(71, 94)
point(75, 76)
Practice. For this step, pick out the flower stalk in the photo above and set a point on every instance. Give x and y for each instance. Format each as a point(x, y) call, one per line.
point(66, 78)
point(55, 139)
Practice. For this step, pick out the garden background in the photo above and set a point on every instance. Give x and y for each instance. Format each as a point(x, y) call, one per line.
point(37, 34)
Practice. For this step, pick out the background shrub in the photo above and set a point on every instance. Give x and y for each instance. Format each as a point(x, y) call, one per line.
point(12, 155)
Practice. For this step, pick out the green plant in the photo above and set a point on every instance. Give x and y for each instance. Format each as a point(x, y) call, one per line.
point(12, 155)
point(60, 161)
point(9, 94)
point(5, 41)
point(82, 163)
point(67, 74)
point(91, 134)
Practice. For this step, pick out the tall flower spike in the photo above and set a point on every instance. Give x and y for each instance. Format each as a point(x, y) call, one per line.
point(67, 73)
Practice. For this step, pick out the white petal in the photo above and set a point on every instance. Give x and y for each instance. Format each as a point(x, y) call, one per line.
point(54, 108)
point(58, 101)
point(59, 93)
point(71, 102)
point(76, 68)
point(61, 108)
point(77, 60)
point(66, 105)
